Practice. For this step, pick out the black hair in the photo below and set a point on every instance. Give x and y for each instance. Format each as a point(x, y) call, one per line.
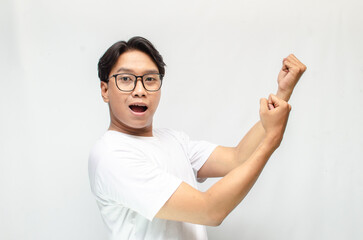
point(108, 60)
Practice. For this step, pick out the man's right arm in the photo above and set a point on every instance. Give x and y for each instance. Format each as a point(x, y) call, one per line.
point(187, 204)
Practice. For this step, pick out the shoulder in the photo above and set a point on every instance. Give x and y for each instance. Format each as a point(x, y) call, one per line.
point(111, 141)
point(112, 148)
point(167, 132)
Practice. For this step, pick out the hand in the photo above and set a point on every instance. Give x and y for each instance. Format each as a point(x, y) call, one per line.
point(274, 120)
point(290, 73)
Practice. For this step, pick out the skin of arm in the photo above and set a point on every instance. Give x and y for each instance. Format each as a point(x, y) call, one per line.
point(224, 159)
point(187, 204)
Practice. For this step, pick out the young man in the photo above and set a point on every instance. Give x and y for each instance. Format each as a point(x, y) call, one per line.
point(144, 179)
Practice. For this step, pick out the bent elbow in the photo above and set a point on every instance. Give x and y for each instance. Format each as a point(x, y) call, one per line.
point(216, 218)
point(217, 223)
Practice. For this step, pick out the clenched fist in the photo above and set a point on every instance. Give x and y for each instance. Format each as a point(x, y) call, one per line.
point(274, 119)
point(290, 73)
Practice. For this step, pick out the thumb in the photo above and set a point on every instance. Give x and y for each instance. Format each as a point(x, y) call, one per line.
point(263, 105)
point(270, 104)
point(275, 100)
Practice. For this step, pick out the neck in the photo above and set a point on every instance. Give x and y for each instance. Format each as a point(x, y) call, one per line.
point(120, 127)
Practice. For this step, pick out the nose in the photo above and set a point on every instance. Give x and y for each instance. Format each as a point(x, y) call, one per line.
point(139, 89)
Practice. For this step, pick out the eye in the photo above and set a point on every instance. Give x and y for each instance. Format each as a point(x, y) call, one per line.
point(149, 79)
point(125, 79)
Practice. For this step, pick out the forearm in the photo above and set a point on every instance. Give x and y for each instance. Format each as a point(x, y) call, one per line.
point(228, 192)
point(253, 138)
point(249, 143)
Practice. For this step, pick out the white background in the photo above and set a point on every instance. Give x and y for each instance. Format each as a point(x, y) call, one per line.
point(222, 57)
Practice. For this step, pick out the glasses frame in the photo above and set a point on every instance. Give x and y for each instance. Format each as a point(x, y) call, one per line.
point(136, 78)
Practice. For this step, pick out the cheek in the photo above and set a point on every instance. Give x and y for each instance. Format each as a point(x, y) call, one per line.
point(117, 96)
point(117, 102)
point(156, 101)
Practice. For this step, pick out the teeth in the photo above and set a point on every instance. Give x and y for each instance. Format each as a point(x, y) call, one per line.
point(138, 105)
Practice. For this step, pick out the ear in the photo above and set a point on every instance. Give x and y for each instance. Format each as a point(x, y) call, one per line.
point(104, 91)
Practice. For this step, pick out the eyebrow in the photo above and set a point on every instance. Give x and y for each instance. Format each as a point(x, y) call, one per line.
point(131, 71)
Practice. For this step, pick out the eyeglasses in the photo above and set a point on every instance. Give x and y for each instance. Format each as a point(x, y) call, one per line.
point(126, 82)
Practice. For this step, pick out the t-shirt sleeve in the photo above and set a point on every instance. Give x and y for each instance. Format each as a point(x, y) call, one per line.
point(129, 179)
point(198, 152)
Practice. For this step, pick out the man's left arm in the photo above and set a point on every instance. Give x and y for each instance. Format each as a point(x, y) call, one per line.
point(224, 159)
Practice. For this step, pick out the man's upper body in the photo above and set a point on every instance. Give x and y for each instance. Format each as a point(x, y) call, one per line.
point(133, 176)
point(144, 179)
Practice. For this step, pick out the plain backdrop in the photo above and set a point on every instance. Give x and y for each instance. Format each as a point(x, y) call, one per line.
point(222, 57)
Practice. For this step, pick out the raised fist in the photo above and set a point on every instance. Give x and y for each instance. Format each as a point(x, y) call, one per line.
point(274, 119)
point(290, 73)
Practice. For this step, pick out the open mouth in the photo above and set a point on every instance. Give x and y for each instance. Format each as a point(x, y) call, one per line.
point(138, 108)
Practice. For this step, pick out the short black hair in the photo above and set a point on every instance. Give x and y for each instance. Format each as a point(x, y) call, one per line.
point(108, 60)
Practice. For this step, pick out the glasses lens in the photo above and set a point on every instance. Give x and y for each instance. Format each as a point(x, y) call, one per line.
point(152, 82)
point(125, 82)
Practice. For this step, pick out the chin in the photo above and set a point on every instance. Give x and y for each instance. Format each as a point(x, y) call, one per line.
point(139, 125)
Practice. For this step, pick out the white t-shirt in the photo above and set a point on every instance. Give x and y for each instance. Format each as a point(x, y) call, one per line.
point(132, 177)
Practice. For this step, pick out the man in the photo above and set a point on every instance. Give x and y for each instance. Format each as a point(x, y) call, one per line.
point(144, 179)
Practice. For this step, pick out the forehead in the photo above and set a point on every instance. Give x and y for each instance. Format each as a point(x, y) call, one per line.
point(135, 61)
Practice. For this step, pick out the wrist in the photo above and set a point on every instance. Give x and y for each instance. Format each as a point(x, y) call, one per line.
point(283, 94)
point(273, 140)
